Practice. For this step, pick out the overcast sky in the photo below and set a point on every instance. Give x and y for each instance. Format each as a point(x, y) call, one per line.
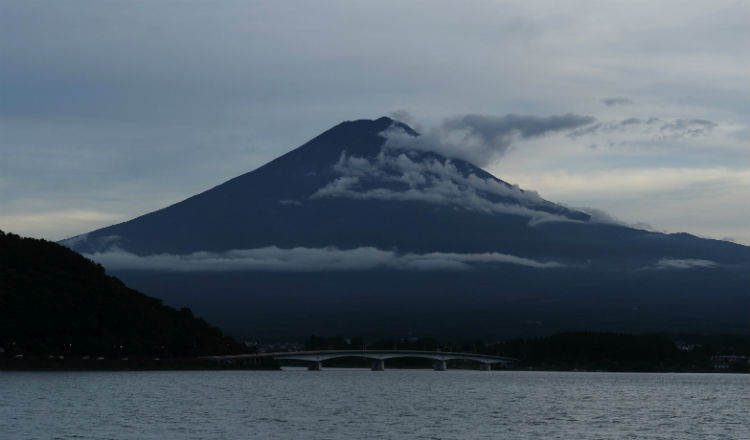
point(109, 110)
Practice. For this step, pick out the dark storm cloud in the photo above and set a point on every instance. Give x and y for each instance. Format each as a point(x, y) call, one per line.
point(482, 139)
point(616, 101)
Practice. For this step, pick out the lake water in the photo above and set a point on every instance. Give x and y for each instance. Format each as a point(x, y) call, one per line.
point(363, 404)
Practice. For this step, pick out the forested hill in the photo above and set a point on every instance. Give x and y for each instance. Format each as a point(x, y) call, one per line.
point(55, 301)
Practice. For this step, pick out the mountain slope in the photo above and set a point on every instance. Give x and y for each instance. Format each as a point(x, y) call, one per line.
point(357, 233)
point(53, 300)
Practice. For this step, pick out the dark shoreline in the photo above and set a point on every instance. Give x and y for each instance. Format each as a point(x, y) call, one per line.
point(92, 365)
point(129, 364)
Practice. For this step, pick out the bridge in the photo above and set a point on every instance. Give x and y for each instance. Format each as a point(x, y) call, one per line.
point(315, 358)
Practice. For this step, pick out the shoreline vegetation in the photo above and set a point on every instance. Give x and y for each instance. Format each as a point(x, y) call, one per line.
point(55, 302)
point(61, 311)
point(581, 352)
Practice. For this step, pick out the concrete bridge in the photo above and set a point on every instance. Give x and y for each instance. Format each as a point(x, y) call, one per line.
point(315, 358)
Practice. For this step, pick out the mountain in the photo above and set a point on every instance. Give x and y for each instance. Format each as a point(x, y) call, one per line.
point(54, 301)
point(361, 231)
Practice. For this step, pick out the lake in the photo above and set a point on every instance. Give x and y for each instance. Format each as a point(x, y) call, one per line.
point(363, 404)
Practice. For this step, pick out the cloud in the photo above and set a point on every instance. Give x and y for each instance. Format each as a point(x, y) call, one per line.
point(490, 128)
point(405, 117)
point(655, 128)
point(397, 177)
point(631, 121)
point(690, 263)
point(688, 127)
point(482, 139)
point(616, 101)
point(273, 258)
point(600, 216)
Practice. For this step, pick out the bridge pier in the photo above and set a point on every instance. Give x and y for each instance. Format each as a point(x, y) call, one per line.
point(378, 365)
point(440, 366)
point(484, 366)
point(315, 366)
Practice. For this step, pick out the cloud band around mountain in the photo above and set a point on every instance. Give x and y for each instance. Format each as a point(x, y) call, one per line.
point(302, 259)
point(687, 263)
point(397, 177)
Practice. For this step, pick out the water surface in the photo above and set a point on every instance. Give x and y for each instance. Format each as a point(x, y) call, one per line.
point(362, 404)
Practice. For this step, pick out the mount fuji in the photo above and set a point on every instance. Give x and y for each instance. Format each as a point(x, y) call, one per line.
point(365, 231)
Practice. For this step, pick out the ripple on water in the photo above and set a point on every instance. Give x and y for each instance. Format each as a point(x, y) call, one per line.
point(345, 404)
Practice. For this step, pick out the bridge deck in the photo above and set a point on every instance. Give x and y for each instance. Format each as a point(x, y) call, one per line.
point(322, 355)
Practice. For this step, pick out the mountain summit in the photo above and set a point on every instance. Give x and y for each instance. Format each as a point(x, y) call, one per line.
point(361, 231)
point(344, 188)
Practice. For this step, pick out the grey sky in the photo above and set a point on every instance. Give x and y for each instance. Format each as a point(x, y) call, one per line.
point(109, 110)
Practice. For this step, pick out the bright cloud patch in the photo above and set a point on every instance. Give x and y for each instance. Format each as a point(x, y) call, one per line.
point(690, 263)
point(273, 258)
point(398, 177)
